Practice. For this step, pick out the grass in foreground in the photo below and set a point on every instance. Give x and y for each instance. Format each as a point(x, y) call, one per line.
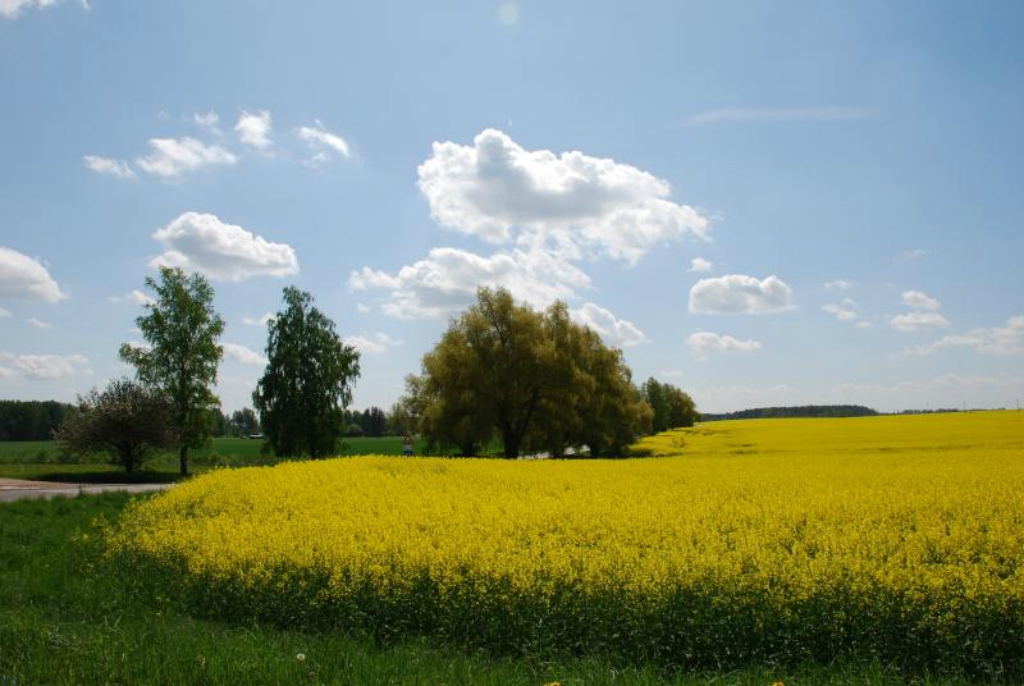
point(65, 618)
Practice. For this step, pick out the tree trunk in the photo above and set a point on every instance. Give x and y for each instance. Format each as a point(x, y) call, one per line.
point(183, 460)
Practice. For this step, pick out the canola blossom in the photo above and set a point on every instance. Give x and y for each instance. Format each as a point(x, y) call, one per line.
point(893, 538)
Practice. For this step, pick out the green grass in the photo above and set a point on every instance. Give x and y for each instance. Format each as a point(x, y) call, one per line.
point(67, 617)
point(43, 460)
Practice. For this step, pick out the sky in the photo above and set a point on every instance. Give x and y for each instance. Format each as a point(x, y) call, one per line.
point(761, 203)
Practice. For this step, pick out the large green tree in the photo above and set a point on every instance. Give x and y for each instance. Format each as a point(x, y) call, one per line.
point(671, 406)
point(308, 380)
point(181, 355)
point(536, 379)
point(127, 421)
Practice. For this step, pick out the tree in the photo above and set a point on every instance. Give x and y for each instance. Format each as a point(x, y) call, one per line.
point(672, 407)
point(128, 421)
point(244, 422)
point(538, 380)
point(308, 380)
point(181, 329)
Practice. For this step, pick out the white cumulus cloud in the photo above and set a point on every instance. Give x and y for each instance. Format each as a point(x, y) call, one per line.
point(226, 252)
point(1000, 340)
point(322, 143)
point(374, 344)
point(498, 191)
point(23, 277)
point(39, 323)
point(239, 352)
point(918, 321)
point(740, 294)
point(254, 129)
point(111, 167)
point(615, 332)
point(844, 312)
point(209, 121)
point(446, 281)
point(136, 296)
point(10, 9)
point(173, 157)
point(699, 264)
point(920, 301)
point(839, 284)
point(262, 320)
point(46, 367)
point(705, 343)
point(4, 313)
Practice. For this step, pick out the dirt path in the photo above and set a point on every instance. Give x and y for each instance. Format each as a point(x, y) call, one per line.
point(18, 489)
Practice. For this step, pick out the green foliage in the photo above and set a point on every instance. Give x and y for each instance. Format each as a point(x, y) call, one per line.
point(671, 408)
point(537, 380)
point(31, 420)
point(127, 421)
point(244, 422)
point(308, 381)
point(181, 329)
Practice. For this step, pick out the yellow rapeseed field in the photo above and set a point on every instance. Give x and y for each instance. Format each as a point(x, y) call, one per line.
point(897, 538)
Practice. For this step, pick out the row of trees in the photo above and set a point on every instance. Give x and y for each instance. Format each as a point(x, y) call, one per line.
point(536, 380)
point(31, 420)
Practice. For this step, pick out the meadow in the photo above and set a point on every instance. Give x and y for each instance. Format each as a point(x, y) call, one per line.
point(881, 540)
point(44, 460)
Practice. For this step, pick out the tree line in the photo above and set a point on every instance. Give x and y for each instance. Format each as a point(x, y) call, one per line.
point(534, 380)
point(31, 420)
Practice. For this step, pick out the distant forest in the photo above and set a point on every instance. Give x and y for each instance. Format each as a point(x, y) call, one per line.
point(31, 420)
point(799, 411)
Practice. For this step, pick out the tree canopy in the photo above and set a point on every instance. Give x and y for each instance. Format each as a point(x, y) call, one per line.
point(128, 421)
point(181, 330)
point(671, 407)
point(308, 380)
point(537, 380)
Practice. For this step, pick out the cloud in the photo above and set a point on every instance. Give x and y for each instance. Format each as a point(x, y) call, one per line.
point(920, 301)
point(447, 280)
point(767, 114)
point(209, 121)
point(262, 320)
point(705, 343)
point(4, 313)
point(39, 323)
point(322, 142)
point(615, 332)
point(843, 312)
point(571, 202)
point(105, 165)
point(740, 294)
point(863, 325)
point(136, 296)
point(202, 242)
point(1005, 340)
point(361, 308)
point(838, 284)
point(699, 264)
point(918, 321)
point(172, 157)
point(915, 254)
point(23, 277)
point(242, 354)
point(254, 130)
point(10, 9)
point(376, 344)
point(46, 367)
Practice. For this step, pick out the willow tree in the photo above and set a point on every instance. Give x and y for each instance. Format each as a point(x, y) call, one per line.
point(308, 380)
point(181, 355)
point(536, 379)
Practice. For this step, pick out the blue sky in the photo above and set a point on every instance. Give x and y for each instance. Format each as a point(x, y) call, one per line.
point(764, 204)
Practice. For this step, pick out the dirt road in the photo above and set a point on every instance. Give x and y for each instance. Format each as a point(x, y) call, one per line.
point(17, 489)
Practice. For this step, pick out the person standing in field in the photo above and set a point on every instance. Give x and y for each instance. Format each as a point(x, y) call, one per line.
point(407, 445)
